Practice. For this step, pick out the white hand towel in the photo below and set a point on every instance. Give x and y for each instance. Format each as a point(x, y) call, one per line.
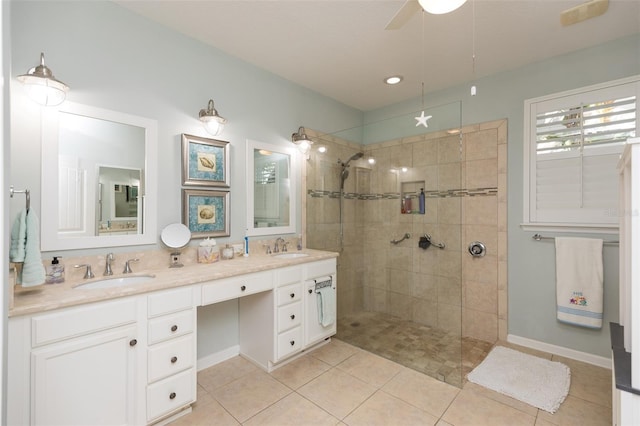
point(579, 281)
point(326, 301)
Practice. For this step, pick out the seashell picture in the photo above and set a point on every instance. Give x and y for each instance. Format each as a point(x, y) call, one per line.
point(205, 161)
point(206, 212)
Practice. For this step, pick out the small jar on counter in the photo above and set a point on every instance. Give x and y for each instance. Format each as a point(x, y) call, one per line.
point(227, 252)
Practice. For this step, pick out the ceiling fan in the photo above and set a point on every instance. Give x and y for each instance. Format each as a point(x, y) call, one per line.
point(410, 7)
point(571, 16)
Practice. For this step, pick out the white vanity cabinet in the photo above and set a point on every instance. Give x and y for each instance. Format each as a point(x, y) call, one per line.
point(171, 352)
point(77, 366)
point(273, 325)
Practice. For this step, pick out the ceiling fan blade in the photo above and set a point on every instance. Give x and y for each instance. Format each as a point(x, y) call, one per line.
point(582, 12)
point(408, 9)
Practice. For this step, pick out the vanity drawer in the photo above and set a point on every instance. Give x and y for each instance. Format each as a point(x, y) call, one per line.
point(289, 342)
point(169, 301)
point(169, 326)
point(289, 275)
point(232, 288)
point(170, 394)
point(320, 268)
point(169, 358)
point(289, 294)
point(289, 316)
point(78, 321)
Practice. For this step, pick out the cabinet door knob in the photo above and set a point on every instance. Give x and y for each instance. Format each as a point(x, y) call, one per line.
point(243, 288)
point(174, 359)
point(310, 291)
point(293, 317)
point(172, 395)
point(292, 295)
point(133, 342)
point(174, 328)
point(293, 342)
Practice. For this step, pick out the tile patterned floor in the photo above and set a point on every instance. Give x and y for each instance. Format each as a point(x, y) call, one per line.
point(437, 353)
point(341, 384)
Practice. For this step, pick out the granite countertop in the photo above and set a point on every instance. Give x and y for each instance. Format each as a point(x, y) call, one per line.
point(47, 297)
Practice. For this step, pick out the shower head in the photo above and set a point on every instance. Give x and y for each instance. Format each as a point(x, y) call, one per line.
point(355, 156)
point(344, 173)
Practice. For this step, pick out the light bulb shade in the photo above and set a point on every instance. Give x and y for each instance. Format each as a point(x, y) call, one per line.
point(439, 7)
point(302, 141)
point(42, 86)
point(212, 122)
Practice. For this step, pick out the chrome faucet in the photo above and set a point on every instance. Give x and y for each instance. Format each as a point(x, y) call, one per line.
point(268, 247)
point(107, 266)
point(276, 249)
point(87, 274)
point(284, 246)
point(127, 267)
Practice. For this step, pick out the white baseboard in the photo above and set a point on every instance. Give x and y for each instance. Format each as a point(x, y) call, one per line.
point(218, 357)
point(561, 351)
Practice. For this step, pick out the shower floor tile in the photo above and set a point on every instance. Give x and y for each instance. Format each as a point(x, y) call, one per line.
point(437, 353)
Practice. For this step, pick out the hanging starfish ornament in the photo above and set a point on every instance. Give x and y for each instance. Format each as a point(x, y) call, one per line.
point(423, 119)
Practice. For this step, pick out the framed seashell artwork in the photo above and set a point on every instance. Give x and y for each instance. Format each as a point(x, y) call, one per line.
point(205, 161)
point(206, 212)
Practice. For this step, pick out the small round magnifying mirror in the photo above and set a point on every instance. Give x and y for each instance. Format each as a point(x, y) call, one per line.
point(175, 236)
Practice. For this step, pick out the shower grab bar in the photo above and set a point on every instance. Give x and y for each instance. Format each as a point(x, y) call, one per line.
point(404, 237)
point(441, 246)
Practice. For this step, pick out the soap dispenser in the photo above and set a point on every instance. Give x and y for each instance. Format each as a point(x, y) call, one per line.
point(55, 272)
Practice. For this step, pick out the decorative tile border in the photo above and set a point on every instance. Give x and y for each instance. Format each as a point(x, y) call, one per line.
point(414, 195)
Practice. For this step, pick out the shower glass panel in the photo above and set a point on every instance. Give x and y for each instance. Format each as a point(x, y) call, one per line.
point(402, 300)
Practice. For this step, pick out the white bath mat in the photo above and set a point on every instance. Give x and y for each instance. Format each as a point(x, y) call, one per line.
point(527, 378)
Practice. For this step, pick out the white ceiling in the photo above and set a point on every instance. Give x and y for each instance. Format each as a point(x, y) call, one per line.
point(340, 48)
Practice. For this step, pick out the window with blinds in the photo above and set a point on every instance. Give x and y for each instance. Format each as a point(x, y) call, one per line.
point(574, 141)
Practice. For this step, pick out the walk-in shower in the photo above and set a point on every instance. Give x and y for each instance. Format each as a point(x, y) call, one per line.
point(405, 301)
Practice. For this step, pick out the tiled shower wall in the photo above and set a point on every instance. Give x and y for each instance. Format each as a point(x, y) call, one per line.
point(465, 181)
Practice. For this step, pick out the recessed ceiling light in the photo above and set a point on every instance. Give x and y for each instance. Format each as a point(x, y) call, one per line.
point(394, 79)
point(322, 149)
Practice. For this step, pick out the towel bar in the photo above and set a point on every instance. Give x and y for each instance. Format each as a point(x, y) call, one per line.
point(26, 192)
point(539, 237)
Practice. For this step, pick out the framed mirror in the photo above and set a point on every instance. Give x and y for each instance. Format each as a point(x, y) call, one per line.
point(99, 178)
point(271, 189)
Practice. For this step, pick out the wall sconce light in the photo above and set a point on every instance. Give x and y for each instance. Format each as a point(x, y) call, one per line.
point(212, 122)
point(42, 86)
point(302, 141)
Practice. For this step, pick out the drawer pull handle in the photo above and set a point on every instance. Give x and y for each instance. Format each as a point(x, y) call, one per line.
point(293, 342)
point(243, 288)
point(172, 395)
point(133, 342)
point(174, 328)
point(293, 317)
point(292, 295)
point(174, 359)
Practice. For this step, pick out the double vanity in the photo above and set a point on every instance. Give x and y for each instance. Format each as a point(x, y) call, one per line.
point(107, 352)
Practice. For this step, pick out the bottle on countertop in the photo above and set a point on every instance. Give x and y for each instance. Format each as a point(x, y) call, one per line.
point(54, 272)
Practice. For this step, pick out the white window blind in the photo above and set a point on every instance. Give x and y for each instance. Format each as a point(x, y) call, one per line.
point(574, 143)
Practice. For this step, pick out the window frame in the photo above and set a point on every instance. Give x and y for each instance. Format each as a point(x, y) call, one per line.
point(534, 106)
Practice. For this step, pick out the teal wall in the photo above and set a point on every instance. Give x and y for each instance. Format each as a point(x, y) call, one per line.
point(117, 60)
point(531, 264)
point(114, 59)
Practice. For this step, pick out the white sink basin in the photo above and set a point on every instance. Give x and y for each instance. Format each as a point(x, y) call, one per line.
point(115, 282)
point(290, 255)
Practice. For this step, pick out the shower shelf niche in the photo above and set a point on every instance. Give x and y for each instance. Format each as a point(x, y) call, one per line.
point(409, 196)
